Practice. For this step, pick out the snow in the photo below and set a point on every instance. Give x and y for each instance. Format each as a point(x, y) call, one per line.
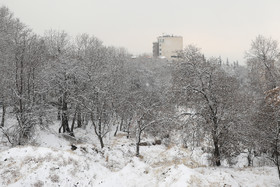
point(51, 162)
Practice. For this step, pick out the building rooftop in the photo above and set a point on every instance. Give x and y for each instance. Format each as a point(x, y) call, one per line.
point(167, 36)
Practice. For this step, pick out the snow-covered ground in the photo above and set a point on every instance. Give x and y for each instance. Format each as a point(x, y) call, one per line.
point(52, 162)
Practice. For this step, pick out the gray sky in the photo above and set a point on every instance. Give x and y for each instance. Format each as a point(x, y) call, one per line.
point(218, 27)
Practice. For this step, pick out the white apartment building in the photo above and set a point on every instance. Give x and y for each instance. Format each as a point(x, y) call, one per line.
point(167, 46)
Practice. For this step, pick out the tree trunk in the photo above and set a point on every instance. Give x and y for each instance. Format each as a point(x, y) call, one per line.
point(101, 141)
point(217, 152)
point(137, 149)
point(277, 159)
point(249, 160)
point(59, 109)
point(117, 128)
point(3, 115)
point(276, 149)
point(277, 164)
point(41, 111)
point(33, 83)
point(21, 105)
point(64, 120)
point(99, 130)
point(79, 117)
point(73, 124)
point(216, 143)
point(121, 125)
point(128, 128)
point(250, 157)
point(100, 133)
point(138, 138)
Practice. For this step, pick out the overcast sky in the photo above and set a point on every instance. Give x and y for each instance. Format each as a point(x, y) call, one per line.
point(219, 27)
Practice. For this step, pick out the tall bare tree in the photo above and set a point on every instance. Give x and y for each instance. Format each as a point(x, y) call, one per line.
point(209, 93)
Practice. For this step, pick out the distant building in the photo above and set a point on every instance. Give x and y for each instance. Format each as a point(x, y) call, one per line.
point(167, 46)
point(155, 49)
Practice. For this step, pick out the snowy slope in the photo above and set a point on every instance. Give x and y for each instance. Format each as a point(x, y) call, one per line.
point(38, 166)
point(51, 162)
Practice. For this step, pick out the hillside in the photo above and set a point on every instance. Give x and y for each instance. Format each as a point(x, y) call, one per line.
point(52, 161)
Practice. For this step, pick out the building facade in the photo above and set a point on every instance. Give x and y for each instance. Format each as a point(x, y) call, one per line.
point(167, 46)
point(155, 49)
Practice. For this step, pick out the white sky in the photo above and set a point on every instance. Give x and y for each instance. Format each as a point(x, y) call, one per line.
point(219, 27)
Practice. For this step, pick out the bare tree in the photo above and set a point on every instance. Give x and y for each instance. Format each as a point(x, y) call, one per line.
point(6, 25)
point(60, 71)
point(209, 92)
point(262, 61)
